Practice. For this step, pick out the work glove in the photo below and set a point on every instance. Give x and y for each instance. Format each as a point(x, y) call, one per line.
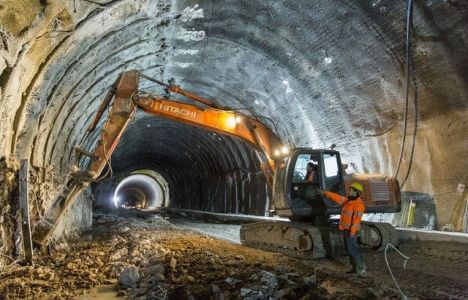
point(320, 192)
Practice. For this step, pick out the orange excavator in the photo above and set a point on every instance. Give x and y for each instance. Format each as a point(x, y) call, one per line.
point(293, 197)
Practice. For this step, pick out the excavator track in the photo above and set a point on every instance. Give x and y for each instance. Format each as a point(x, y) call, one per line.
point(305, 240)
point(294, 239)
point(376, 236)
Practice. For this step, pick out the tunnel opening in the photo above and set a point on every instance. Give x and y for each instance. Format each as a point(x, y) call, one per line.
point(204, 170)
point(319, 73)
point(143, 189)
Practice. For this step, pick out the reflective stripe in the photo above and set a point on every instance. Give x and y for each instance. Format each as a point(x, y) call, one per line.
point(359, 214)
point(347, 212)
point(358, 226)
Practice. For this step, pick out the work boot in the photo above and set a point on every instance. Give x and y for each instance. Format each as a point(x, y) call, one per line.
point(362, 272)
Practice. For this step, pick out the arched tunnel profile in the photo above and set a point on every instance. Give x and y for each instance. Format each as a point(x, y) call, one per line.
point(120, 120)
point(204, 170)
point(144, 189)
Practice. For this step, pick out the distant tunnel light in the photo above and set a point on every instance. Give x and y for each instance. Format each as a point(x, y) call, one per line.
point(116, 201)
point(139, 191)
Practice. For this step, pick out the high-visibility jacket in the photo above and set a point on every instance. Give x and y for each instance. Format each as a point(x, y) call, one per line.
point(351, 211)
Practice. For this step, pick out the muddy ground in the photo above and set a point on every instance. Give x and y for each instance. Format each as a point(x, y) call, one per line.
point(156, 257)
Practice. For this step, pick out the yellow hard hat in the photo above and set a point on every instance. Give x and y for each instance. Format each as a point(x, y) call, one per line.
point(357, 186)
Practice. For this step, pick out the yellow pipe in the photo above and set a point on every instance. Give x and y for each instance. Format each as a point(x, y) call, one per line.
point(411, 209)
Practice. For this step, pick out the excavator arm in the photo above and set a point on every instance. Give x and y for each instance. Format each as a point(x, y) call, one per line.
point(126, 101)
point(218, 119)
point(222, 122)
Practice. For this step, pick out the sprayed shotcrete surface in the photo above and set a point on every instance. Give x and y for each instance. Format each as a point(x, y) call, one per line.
point(323, 71)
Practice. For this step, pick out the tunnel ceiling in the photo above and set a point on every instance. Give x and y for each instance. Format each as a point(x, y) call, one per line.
point(324, 72)
point(180, 152)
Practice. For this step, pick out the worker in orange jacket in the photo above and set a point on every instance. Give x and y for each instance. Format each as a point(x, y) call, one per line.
point(352, 209)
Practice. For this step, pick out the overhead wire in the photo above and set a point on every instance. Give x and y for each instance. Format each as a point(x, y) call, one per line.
point(413, 146)
point(416, 119)
point(409, 17)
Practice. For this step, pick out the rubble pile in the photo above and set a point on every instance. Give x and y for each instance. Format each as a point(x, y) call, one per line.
point(151, 259)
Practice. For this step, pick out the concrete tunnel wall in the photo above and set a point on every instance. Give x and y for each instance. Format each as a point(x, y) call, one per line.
point(324, 72)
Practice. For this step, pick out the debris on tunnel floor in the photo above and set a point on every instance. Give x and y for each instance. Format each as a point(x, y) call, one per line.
point(150, 257)
point(276, 109)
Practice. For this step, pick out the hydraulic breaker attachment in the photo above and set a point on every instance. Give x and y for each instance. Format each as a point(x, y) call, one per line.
point(75, 185)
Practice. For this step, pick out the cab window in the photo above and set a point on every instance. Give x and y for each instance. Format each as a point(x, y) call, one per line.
point(333, 181)
point(300, 168)
point(331, 165)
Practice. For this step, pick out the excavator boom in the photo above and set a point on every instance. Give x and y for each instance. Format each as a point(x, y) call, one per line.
point(220, 121)
point(126, 101)
point(120, 115)
point(292, 196)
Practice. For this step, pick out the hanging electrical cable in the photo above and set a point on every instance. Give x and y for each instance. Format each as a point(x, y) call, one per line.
point(409, 17)
point(416, 119)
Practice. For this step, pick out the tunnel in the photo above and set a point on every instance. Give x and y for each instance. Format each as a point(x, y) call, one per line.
point(382, 82)
point(143, 189)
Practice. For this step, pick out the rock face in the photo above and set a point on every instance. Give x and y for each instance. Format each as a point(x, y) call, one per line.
point(326, 72)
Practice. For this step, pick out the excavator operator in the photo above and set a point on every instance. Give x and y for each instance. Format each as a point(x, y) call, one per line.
point(312, 173)
point(352, 209)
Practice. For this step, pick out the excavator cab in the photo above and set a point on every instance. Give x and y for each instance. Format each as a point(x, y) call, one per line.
point(298, 178)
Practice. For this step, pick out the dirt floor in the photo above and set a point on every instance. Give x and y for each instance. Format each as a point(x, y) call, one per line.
point(151, 257)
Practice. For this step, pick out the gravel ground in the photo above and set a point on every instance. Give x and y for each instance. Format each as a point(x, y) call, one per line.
point(159, 257)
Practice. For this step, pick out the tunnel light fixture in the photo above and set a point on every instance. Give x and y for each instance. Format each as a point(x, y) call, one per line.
point(282, 151)
point(230, 122)
point(285, 150)
point(238, 119)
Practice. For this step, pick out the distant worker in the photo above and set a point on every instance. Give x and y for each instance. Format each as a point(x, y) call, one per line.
point(352, 209)
point(312, 173)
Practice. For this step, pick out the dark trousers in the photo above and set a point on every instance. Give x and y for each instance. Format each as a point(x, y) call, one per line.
point(351, 246)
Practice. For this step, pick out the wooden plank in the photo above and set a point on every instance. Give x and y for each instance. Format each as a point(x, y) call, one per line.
point(24, 207)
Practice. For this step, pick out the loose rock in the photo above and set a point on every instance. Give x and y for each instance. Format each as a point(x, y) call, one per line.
point(129, 277)
point(245, 291)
